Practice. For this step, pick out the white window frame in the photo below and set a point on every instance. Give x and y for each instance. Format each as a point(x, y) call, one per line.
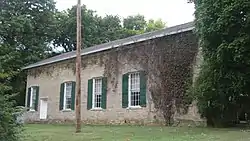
point(93, 94)
point(64, 96)
point(129, 91)
point(31, 98)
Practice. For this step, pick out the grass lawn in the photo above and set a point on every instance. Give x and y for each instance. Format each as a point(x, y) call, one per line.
point(36, 132)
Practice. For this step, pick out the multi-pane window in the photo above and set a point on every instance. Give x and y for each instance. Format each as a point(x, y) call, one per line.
point(97, 92)
point(134, 89)
point(67, 95)
point(33, 98)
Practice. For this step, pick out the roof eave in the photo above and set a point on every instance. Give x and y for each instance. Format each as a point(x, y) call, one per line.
point(114, 45)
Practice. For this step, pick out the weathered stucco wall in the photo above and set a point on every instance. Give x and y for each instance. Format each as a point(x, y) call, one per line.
point(112, 64)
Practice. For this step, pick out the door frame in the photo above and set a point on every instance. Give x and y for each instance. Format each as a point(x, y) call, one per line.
point(43, 100)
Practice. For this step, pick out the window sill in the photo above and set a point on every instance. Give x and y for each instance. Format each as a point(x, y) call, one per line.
point(96, 109)
point(67, 110)
point(134, 107)
point(32, 111)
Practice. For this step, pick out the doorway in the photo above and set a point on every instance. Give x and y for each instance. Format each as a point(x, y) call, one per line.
point(43, 109)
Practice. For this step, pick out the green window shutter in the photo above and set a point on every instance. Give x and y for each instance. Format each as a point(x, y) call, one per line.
point(90, 92)
point(143, 83)
point(125, 91)
point(37, 97)
point(104, 92)
point(28, 98)
point(61, 97)
point(73, 93)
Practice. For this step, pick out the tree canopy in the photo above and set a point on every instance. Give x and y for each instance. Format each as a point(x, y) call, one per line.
point(136, 22)
point(25, 33)
point(222, 88)
point(97, 29)
point(155, 25)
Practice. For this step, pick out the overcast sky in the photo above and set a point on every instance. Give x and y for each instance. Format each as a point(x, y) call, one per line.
point(173, 12)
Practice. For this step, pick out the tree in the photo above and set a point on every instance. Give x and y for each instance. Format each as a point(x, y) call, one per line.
point(96, 30)
point(136, 22)
point(9, 127)
point(109, 28)
point(223, 27)
point(25, 33)
point(138, 25)
point(153, 25)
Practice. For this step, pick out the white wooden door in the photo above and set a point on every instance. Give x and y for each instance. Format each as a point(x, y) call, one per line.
point(43, 109)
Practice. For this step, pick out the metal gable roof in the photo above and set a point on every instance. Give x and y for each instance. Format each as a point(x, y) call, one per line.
point(117, 43)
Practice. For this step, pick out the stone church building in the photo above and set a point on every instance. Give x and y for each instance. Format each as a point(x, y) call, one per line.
point(117, 79)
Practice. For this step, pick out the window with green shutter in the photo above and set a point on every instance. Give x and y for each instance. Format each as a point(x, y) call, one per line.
point(33, 98)
point(97, 93)
point(67, 96)
point(134, 90)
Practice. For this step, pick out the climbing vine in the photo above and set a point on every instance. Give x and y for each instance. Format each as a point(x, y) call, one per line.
point(168, 63)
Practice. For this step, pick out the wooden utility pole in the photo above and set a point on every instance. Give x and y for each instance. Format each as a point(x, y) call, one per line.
point(78, 68)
